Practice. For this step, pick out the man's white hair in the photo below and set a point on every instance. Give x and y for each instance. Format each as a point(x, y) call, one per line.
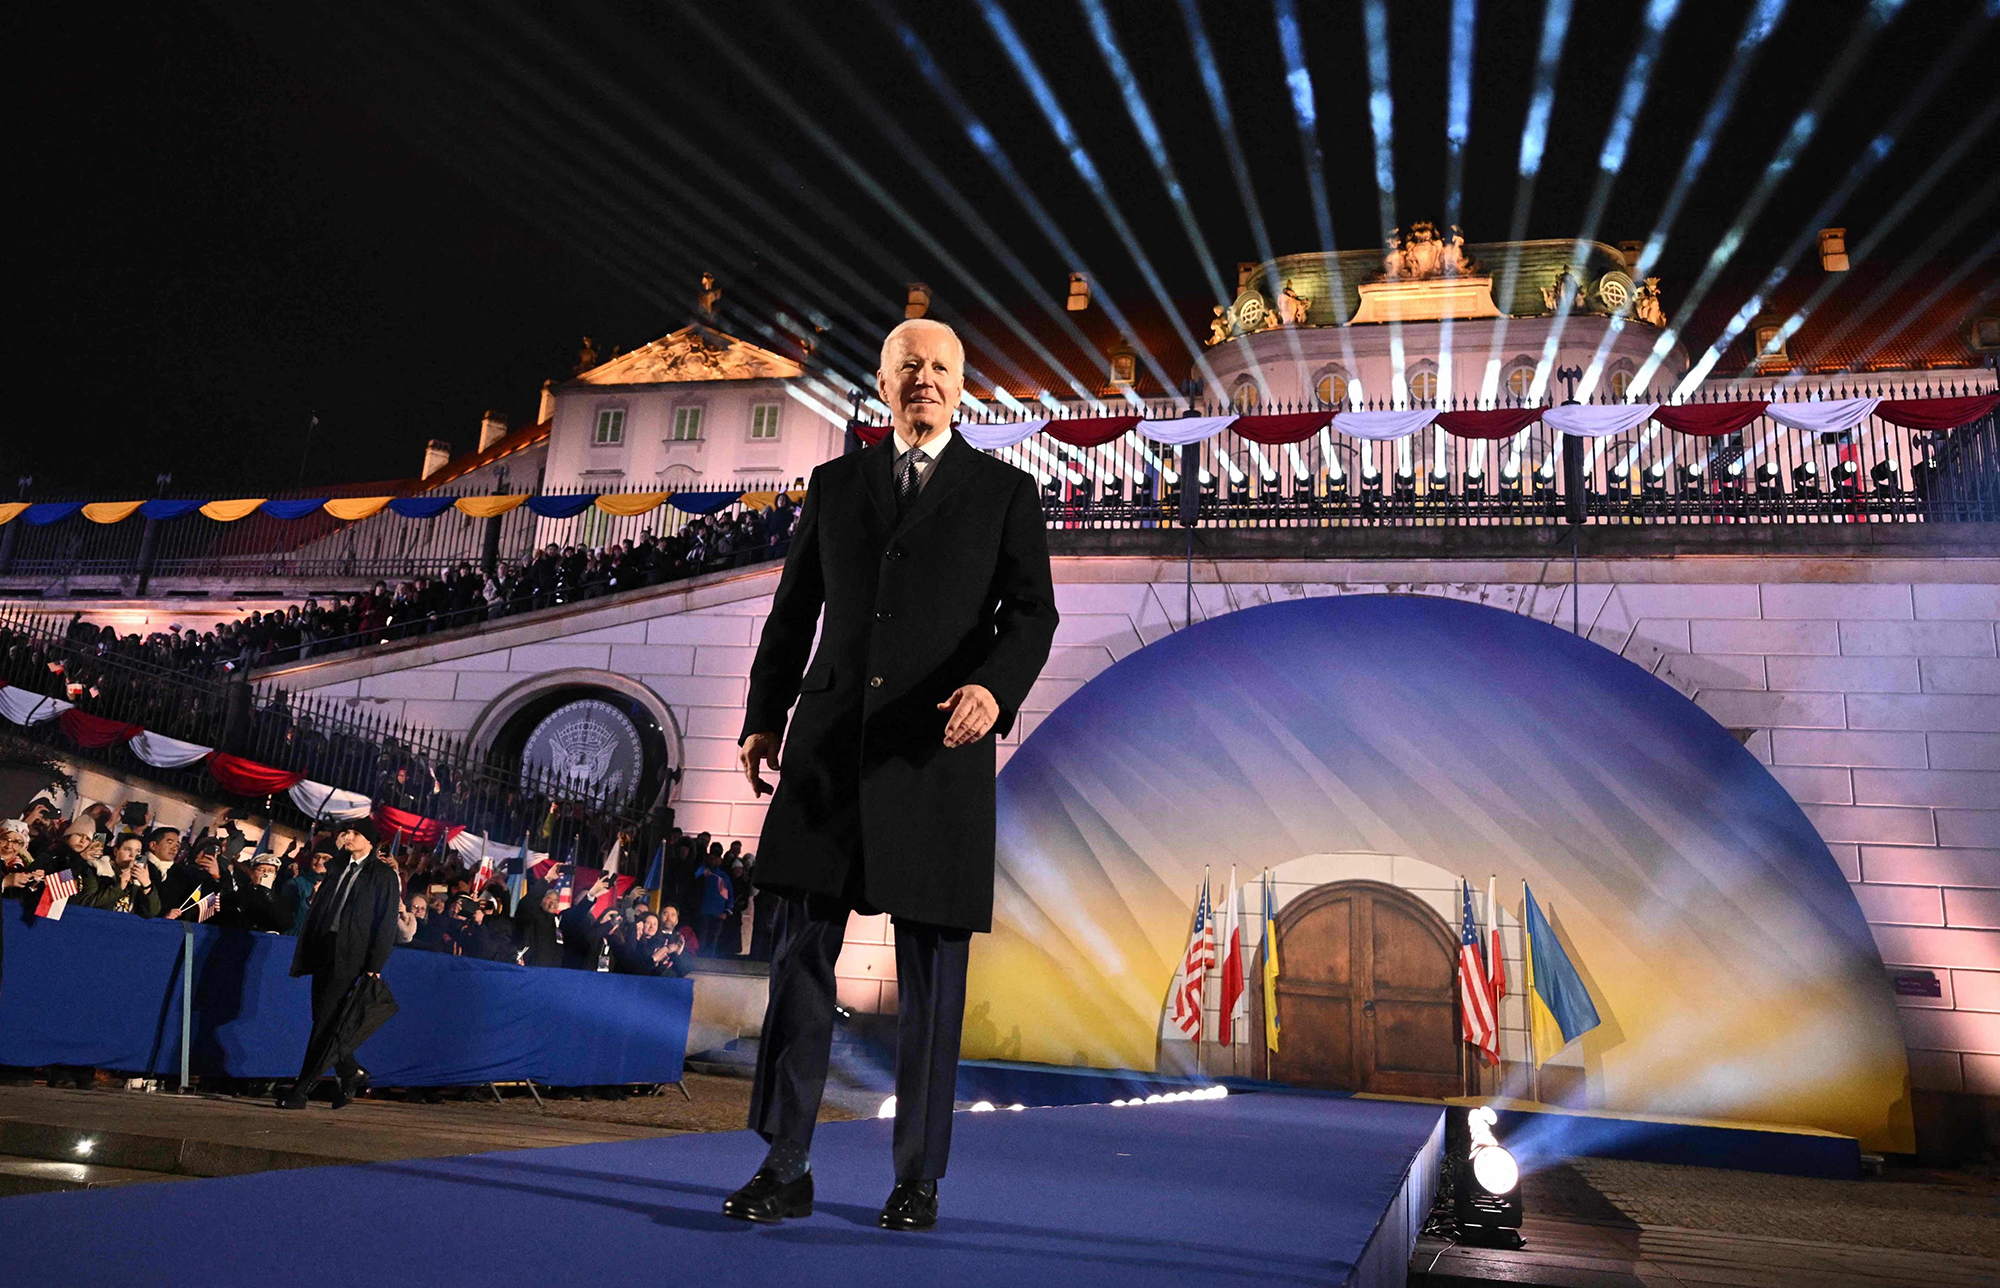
point(917, 324)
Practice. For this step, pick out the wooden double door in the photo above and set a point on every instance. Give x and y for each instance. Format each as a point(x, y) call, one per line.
point(1366, 994)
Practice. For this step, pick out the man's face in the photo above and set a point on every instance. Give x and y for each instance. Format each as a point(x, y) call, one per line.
point(265, 874)
point(922, 376)
point(167, 847)
point(670, 917)
point(550, 902)
point(40, 818)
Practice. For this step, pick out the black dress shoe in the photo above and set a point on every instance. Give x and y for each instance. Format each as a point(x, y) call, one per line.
point(767, 1199)
point(293, 1099)
point(346, 1089)
point(912, 1205)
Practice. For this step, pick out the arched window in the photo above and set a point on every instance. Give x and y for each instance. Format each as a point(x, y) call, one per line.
point(1243, 397)
point(1423, 385)
point(1520, 379)
point(1330, 387)
point(1620, 382)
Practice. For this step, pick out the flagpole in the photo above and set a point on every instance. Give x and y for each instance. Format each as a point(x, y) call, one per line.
point(1528, 1000)
point(1201, 1002)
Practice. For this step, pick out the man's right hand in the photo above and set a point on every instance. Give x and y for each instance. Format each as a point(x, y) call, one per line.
point(758, 748)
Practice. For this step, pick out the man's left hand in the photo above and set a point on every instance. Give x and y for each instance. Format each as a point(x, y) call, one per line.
point(973, 710)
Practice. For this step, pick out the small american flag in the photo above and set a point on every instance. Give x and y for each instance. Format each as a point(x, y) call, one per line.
point(57, 891)
point(1195, 967)
point(211, 903)
point(1475, 990)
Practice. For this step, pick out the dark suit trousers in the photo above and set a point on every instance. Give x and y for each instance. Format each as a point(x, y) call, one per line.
point(329, 989)
point(798, 1032)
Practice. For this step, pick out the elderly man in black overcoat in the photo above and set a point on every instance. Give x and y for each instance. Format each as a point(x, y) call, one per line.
point(930, 563)
point(349, 931)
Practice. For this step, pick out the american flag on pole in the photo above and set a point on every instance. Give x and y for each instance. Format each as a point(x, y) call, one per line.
point(211, 903)
point(1195, 966)
point(1475, 991)
point(57, 891)
point(1233, 1005)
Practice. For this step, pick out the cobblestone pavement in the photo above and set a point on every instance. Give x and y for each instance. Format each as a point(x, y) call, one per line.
point(1953, 1212)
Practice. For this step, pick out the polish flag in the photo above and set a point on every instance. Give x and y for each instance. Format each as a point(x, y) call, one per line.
point(1235, 1005)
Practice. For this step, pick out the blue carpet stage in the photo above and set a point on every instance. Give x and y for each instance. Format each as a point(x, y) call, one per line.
point(1254, 1189)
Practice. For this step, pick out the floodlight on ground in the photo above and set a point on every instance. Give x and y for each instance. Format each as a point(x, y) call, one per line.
point(1485, 1180)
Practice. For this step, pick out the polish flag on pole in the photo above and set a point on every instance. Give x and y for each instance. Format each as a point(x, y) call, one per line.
point(1496, 965)
point(1235, 1005)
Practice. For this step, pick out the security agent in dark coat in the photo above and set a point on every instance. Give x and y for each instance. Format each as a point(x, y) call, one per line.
point(931, 564)
point(349, 931)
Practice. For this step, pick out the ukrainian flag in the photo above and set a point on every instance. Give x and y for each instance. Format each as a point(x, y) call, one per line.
point(1270, 963)
point(1559, 1007)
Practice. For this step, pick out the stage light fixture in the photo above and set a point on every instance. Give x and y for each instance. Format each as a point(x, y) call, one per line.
point(1691, 475)
point(1847, 476)
point(1406, 482)
point(1767, 475)
point(1805, 477)
point(1887, 476)
point(84, 1147)
point(1485, 1180)
point(1440, 479)
point(982, 1107)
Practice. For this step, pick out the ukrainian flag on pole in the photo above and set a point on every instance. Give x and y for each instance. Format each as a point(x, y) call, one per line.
point(1559, 1007)
point(1270, 963)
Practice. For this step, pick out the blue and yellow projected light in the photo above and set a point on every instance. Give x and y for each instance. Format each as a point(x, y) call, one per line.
point(1732, 969)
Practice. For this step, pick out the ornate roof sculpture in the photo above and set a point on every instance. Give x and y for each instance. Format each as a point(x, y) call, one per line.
point(1428, 275)
point(695, 352)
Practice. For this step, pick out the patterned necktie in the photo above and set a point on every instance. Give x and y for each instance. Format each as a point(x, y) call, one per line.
point(906, 477)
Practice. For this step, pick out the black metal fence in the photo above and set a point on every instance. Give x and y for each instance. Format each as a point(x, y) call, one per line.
point(423, 771)
point(1766, 473)
point(384, 546)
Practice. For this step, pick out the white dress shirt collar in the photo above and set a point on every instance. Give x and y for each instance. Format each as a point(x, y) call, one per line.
point(931, 447)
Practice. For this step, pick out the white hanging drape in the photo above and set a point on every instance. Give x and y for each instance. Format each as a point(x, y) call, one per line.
point(320, 800)
point(989, 438)
point(1816, 417)
point(25, 708)
point(1587, 420)
point(1183, 430)
point(162, 752)
point(1382, 426)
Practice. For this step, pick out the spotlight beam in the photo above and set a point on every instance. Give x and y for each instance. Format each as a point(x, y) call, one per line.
point(913, 154)
point(1762, 20)
point(1080, 160)
point(755, 74)
point(1610, 161)
point(1872, 156)
point(637, 228)
point(988, 146)
point(1149, 132)
point(1458, 127)
point(1534, 139)
point(1232, 148)
point(1860, 253)
point(1382, 135)
point(1780, 166)
point(1305, 114)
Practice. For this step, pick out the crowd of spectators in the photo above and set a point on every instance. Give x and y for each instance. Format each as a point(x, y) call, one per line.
point(458, 596)
point(228, 870)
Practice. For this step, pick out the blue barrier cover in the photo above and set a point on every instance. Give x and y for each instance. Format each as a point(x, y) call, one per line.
point(104, 988)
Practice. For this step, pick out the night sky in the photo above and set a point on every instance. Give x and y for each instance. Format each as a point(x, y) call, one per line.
point(398, 217)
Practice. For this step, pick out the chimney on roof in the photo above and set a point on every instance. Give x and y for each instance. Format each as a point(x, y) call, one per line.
point(1833, 249)
point(492, 428)
point(437, 455)
point(547, 411)
point(919, 301)
point(1245, 271)
point(1079, 292)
